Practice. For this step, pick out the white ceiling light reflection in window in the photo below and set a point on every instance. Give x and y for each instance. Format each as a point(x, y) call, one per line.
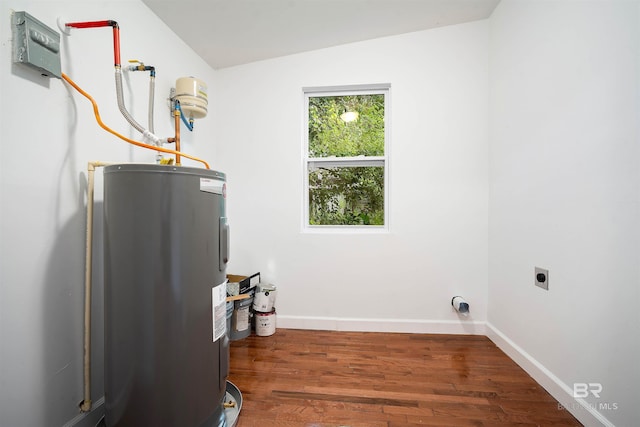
point(349, 116)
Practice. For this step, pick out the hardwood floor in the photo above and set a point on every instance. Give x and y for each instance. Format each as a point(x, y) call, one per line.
point(363, 379)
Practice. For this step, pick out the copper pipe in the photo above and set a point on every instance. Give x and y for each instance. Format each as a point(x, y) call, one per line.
point(176, 115)
point(116, 44)
point(106, 23)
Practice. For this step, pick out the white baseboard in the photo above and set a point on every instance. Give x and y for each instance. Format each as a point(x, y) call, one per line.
point(579, 408)
point(465, 327)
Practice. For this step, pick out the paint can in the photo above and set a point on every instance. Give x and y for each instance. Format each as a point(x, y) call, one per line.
point(264, 298)
point(265, 323)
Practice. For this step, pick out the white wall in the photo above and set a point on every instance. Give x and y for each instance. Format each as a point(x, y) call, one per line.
point(565, 195)
point(48, 136)
point(437, 246)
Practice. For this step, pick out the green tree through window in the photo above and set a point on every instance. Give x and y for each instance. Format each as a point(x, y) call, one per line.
point(346, 159)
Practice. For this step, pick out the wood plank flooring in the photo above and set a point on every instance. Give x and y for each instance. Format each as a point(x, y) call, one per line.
point(363, 379)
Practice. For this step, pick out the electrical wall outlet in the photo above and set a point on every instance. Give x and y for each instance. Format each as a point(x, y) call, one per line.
point(541, 277)
point(36, 45)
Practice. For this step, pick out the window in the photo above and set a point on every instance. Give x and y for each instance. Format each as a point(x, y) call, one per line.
point(345, 157)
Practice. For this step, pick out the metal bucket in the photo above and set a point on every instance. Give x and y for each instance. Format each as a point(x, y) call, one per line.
point(229, 315)
point(241, 319)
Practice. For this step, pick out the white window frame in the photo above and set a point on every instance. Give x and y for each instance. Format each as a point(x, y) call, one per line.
point(372, 89)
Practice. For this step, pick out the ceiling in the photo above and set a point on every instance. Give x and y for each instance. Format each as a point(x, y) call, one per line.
point(233, 32)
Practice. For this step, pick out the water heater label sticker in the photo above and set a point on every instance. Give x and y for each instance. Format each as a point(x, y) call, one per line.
point(219, 310)
point(211, 185)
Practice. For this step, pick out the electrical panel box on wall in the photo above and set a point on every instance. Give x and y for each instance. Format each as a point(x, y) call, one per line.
point(36, 45)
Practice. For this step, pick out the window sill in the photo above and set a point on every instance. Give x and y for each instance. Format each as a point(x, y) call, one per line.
point(345, 229)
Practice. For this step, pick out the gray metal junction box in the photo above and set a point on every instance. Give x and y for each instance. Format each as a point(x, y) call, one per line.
point(36, 45)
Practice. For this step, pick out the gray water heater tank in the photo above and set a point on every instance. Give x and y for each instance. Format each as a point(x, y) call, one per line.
point(166, 248)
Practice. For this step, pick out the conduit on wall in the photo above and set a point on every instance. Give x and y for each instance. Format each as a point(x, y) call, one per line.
point(85, 405)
